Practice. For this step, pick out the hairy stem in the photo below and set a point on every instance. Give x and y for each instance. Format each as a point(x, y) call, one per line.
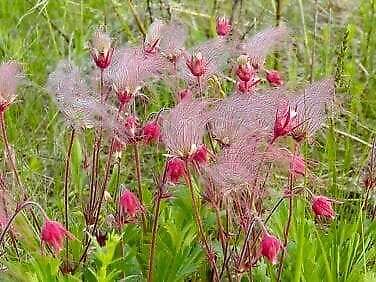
point(287, 228)
point(139, 181)
point(98, 209)
point(66, 184)
point(13, 165)
point(188, 180)
point(8, 150)
point(153, 238)
point(155, 223)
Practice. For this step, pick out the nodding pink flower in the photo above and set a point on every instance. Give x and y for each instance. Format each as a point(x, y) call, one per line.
point(245, 71)
point(101, 49)
point(297, 165)
point(322, 207)
point(283, 123)
point(200, 155)
point(10, 77)
point(53, 234)
point(175, 170)
point(151, 132)
point(197, 64)
point(270, 247)
point(274, 78)
point(124, 97)
point(185, 95)
point(130, 204)
point(223, 26)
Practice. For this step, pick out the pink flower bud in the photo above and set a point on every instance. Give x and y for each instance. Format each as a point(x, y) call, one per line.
point(283, 122)
point(151, 132)
point(200, 155)
point(175, 170)
point(196, 64)
point(245, 71)
point(297, 165)
point(53, 234)
point(322, 207)
point(223, 26)
point(274, 78)
point(129, 203)
point(270, 247)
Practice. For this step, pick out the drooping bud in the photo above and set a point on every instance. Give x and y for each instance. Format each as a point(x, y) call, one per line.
point(223, 26)
point(196, 64)
point(151, 132)
point(101, 49)
point(322, 207)
point(53, 234)
point(124, 96)
point(130, 204)
point(200, 155)
point(274, 78)
point(270, 247)
point(245, 71)
point(175, 170)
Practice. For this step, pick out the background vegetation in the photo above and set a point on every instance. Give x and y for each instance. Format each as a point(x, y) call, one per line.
point(328, 38)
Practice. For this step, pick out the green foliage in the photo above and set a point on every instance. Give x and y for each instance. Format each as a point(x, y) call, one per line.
point(38, 33)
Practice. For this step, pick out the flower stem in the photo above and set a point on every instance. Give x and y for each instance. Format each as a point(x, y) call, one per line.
point(66, 184)
point(13, 165)
point(287, 228)
point(139, 181)
point(98, 209)
point(8, 151)
point(188, 180)
point(153, 238)
point(160, 187)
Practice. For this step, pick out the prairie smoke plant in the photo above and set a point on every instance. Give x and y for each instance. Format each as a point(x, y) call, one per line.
point(53, 234)
point(223, 26)
point(183, 127)
point(129, 204)
point(322, 207)
point(101, 48)
point(274, 78)
point(258, 46)
point(270, 247)
point(175, 170)
point(75, 99)
point(311, 105)
point(166, 38)
point(203, 61)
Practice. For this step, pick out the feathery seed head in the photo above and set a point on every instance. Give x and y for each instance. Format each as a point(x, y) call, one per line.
point(101, 48)
point(10, 77)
